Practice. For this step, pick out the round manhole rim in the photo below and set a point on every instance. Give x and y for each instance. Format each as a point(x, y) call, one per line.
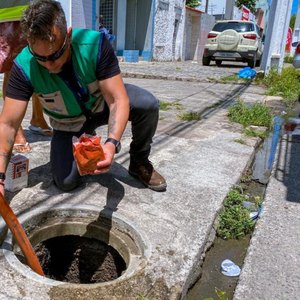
point(136, 262)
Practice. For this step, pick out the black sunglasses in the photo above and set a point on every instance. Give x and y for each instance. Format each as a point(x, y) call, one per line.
point(52, 57)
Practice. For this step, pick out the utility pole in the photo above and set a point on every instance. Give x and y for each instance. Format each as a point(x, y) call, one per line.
point(274, 45)
point(206, 6)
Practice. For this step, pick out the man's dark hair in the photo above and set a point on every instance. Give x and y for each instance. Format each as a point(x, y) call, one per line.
point(40, 17)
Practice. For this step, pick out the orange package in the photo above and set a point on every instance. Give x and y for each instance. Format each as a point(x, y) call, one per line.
point(87, 152)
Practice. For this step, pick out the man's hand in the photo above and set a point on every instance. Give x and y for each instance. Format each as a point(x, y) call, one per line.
point(104, 166)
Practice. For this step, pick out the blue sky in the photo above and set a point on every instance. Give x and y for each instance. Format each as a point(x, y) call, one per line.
point(218, 6)
point(294, 7)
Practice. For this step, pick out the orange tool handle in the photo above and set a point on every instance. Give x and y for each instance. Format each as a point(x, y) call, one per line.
point(18, 232)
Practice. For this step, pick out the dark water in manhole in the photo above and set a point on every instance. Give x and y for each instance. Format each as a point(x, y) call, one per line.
point(77, 259)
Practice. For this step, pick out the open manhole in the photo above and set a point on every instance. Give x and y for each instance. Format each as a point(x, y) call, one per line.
point(78, 259)
point(80, 246)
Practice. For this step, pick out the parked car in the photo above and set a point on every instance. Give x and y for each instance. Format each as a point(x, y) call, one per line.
point(234, 40)
point(296, 59)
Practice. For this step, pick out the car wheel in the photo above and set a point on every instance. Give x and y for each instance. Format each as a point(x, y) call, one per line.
point(206, 61)
point(218, 63)
point(252, 62)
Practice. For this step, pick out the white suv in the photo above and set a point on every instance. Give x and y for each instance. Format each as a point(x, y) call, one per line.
point(234, 40)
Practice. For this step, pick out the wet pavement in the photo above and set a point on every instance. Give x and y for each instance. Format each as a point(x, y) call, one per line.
point(201, 160)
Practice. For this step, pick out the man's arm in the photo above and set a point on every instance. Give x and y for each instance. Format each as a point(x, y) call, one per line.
point(10, 120)
point(115, 95)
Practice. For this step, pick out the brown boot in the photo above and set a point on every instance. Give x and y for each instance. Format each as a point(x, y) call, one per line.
point(148, 176)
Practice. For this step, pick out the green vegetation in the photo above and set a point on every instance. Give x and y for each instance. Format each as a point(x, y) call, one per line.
point(220, 294)
point(292, 21)
point(288, 59)
point(234, 220)
point(229, 78)
point(257, 114)
point(248, 3)
point(246, 177)
point(286, 85)
point(186, 116)
point(192, 3)
point(255, 133)
point(169, 105)
point(190, 116)
point(240, 141)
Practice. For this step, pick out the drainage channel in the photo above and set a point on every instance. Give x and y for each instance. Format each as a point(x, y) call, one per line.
point(253, 184)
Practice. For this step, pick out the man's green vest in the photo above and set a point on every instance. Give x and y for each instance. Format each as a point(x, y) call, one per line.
point(12, 10)
point(58, 100)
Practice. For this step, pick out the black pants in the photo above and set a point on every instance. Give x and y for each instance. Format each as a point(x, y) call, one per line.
point(144, 108)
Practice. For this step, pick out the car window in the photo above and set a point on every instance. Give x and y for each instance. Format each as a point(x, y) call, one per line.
point(237, 26)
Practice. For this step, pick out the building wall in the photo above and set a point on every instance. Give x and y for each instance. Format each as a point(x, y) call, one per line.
point(168, 30)
point(120, 32)
point(197, 27)
point(153, 27)
point(206, 24)
point(144, 25)
point(81, 13)
point(66, 5)
point(229, 9)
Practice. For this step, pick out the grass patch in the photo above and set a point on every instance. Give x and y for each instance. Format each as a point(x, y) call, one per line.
point(246, 177)
point(257, 114)
point(190, 116)
point(288, 59)
point(234, 219)
point(286, 85)
point(256, 133)
point(221, 295)
point(240, 141)
point(233, 77)
point(169, 105)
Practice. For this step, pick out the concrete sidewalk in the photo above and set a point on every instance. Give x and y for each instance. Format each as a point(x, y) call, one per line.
point(201, 160)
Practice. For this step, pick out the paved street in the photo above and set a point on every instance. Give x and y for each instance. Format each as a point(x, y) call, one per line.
point(181, 71)
point(201, 161)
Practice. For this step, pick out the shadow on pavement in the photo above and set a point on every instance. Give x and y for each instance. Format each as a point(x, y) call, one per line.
point(287, 169)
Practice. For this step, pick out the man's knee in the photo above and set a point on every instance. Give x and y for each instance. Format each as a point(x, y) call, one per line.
point(141, 99)
point(66, 185)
